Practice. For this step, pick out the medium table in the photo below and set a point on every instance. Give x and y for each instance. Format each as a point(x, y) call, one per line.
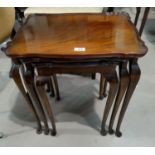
point(77, 43)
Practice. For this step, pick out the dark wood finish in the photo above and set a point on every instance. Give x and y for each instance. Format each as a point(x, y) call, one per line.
point(103, 87)
point(123, 84)
point(55, 81)
point(124, 78)
point(52, 92)
point(138, 9)
point(30, 85)
point(57, 35)
point(14, 73)
point(134, 78)
point(146, 13)
point(47, 43)
point(113, 80)
point(108, 70)
point(52, 86)
point(40, 84)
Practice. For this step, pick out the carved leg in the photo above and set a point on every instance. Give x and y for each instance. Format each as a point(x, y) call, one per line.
point(29, 82)
point(56, 87)
point(134, 78)
point(113, 80)
point(40, 85)
point(15, 74)
point(124, 82)
point(103, 86)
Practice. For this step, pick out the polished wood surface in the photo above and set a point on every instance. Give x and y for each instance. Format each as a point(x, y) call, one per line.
point(58, 35)
point(43, 38)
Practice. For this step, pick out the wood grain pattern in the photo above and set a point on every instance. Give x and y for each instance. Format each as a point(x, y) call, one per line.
point(57, 35)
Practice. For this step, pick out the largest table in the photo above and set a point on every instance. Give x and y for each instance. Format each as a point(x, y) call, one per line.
point(75, 43)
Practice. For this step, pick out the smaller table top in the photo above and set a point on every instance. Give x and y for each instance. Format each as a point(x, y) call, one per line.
point(77, 36)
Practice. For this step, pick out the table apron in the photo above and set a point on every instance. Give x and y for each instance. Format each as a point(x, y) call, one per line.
point(47, 71)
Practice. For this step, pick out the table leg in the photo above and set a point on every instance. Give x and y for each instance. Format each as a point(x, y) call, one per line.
point(40, 85)
point(103, 86)
point(138, 9)
point(48, 85)
point(56, 87)
point(113, 80)
point(29, 82)
point(146, 13)
point(124, 82)
point(15, 74)
point(135, 72)
point(51, 87)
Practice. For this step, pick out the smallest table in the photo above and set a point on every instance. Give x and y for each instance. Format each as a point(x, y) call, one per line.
point(77, 43)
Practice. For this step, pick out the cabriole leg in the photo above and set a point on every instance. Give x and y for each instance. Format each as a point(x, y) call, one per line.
point(123, 84)
point(15, 74)
point(29, 82)
point(113, 80)
point(40, 85)
point(135, 72)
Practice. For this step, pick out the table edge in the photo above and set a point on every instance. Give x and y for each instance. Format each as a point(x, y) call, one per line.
point(143, 47)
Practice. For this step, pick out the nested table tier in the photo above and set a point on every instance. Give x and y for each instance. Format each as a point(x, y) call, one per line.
point(77, 43)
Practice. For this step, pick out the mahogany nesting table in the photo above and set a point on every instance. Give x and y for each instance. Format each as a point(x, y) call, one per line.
point(76, 43)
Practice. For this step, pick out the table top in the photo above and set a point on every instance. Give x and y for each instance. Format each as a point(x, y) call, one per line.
point(77, 36)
